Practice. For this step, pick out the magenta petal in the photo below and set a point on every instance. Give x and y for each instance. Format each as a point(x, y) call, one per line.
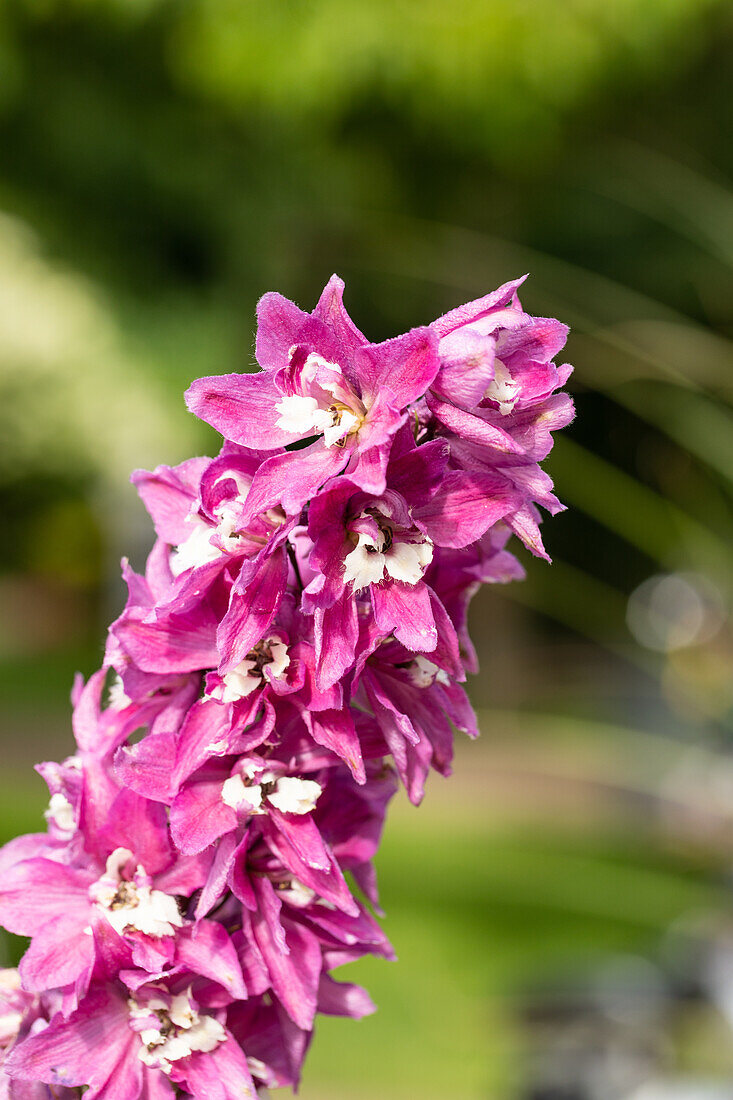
point(524, 524)
point(330, 884)
point(222, 1074)
point(206, 724)
point(58, 953)
point(405, 365)
point(291, 478)
point(151, 953)
point(343, 999)
point(405, 610)
point(32, 890)
point(206, 949)
point(221, 863)
point(168, 493)
point(141, 826)
point(337, 632)
point(175, 642)
point(466, 367)
point(335, 730)
point(480, 308)
point(241, 407)
point(147, 767)
point(420, 471)
point(294, 973)
point(199, 816)
point(269, 907)
point(330, 309)
point(156, 1086)
point(302, 833)
point(184, 876)
point(85, 719)
point(467, 504)
point(473, 429)
point(252, 607)
point(368, 469)
point(279, 324)
point(94, 1047)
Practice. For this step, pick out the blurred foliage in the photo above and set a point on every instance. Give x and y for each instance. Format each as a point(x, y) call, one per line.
point(164, 163)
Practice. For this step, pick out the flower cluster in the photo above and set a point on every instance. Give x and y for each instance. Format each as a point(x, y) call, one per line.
point(295, 647)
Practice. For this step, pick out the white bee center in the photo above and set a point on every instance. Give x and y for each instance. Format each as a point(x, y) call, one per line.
point(401, 560)
point(271, 654)
point(61, 813)
point(296, 894)
point(423, 673)
point(335, 418)
point(116, 696)
point(239, 796)
point(196, 550)
point(129, 905)
point(288, 794)
point(175, 1030)
point(295, 796)
point(502, 388)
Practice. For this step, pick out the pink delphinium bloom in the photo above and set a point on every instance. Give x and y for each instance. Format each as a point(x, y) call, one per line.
point(296, 646)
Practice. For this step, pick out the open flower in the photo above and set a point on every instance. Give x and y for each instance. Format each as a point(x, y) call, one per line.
point(321, 380)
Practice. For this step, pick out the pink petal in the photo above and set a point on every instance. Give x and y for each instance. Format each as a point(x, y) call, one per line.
point(467, 504)
point(473, 429)
point(252, 607)
point(292, 478)
point(302, 834)
point(58, 953)
point(405, 610)
point(168, 493)
point(199, 816)
point(206, 949)
point(279, 324)
point(241, 407)
point(336, 635)
point(294, 975)
point(479, 308)
point(147, 767)
point(221, 1074)
point(335, 730)
point(32, 890)
point(405, 365)
point(343, 999)
point(94, 1047)
point(330, 309)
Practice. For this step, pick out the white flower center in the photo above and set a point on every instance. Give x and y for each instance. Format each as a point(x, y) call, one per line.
point(288, 794)
point(335, 414)
point(423, 673)
point(296, 893)
point(502, 388)
point(133, 904)
point(401, 560)
point(61, 813)
point(271, 653)
point(116, 696)
point(295, 796)
point(174, 1030)
point(196, 550)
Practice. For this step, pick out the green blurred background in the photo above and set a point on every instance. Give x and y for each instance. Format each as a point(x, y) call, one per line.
point(561, 908)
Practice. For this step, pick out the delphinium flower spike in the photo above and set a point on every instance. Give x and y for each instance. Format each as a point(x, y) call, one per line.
point(295, 648)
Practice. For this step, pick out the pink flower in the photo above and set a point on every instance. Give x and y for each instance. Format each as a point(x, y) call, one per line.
point(320, 378)
point(296, 645)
